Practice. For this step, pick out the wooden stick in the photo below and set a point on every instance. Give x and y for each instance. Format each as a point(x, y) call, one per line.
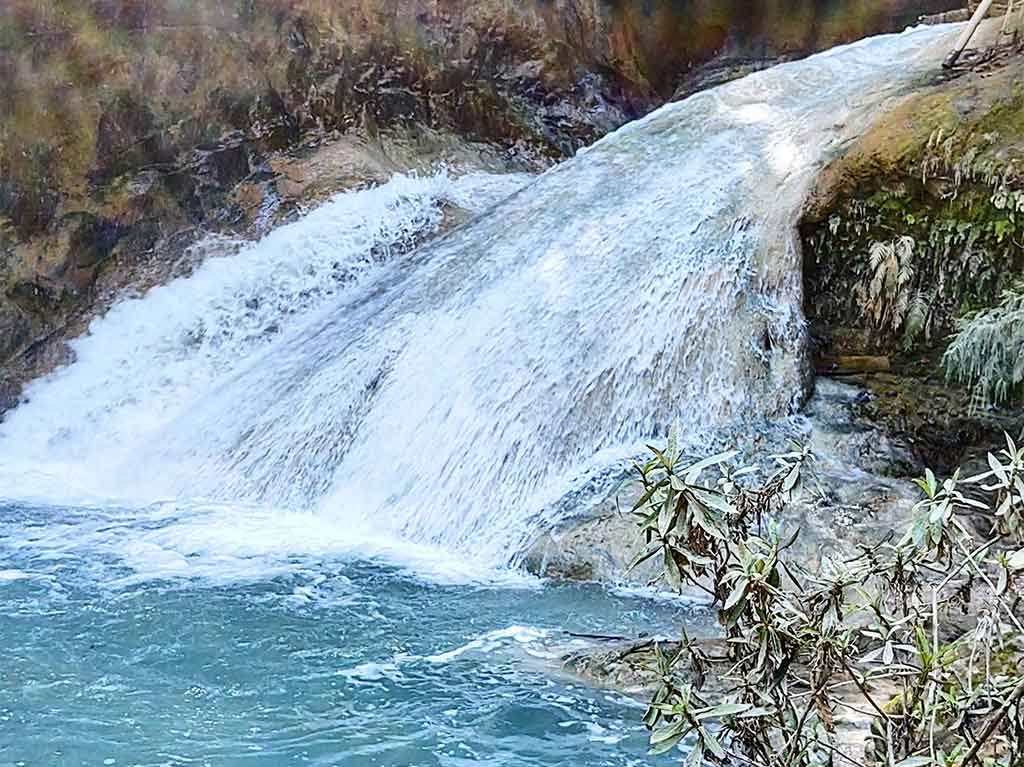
point(844, 365)
point(968, 33)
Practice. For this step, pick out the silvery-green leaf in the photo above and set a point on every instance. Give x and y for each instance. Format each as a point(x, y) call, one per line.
point(791, 479)
point(643, 556)
point(1016, 560)
point(712, 744)
point(666, 518)
point(712, 500)
point(727, 709)
point(672, 574)
point(738, 592)
point(998, 469)
point(649, 493)
point(673, 732)
point(692, 473)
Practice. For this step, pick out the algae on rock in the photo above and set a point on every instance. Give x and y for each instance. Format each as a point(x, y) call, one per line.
point(922, 220)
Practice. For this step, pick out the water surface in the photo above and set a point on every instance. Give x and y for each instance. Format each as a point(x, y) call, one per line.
point(253, 659)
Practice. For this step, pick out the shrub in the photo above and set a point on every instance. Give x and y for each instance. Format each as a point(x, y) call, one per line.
point(797, 640)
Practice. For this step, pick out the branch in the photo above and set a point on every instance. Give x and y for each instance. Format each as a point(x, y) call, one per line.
point(974, 565)
point(864, 691)
point(994, 723)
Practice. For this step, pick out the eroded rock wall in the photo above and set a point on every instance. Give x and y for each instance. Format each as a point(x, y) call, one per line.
point(919, 223)
point(128, 126)
point(921, 220)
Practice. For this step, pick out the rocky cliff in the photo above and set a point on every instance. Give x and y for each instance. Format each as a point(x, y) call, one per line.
point(127, 127)
point(920, 220)
point(916, 225)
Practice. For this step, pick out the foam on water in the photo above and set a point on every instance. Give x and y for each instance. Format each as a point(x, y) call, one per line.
point(538, 643)
point(340, 663)
point(326, 389)
point(214, 545)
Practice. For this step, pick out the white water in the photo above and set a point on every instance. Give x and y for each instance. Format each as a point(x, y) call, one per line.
point(450, 395)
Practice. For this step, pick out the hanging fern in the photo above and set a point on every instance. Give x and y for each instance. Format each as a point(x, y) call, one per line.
point(987, 352)
point(918, 321)
point(890, 290)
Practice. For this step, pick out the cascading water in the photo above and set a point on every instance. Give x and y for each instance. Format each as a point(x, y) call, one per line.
point(449, 395)
point(201, 516)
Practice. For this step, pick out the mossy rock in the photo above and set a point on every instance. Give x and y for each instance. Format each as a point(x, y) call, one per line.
point(921, 220)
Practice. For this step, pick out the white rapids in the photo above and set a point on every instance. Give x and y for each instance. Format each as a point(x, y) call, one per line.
point(447, 395)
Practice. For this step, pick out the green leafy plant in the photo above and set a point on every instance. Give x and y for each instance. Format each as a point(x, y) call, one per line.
point(872, 634)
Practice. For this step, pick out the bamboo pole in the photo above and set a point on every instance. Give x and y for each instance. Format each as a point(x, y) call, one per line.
point(968, 33)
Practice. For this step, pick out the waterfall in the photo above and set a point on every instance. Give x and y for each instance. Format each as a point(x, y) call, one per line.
point(448, 393)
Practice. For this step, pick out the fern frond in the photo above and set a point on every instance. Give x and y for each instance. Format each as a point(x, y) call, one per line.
point(987, 352)
point(916, 321)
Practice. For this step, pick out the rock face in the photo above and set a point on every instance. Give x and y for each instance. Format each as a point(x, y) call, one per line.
point(860, 495)
point(127, 127)
point(598, 547)
point(919, 221)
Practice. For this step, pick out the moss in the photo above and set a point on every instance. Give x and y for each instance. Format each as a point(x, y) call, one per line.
point(1007, 122)
point(965, 249)
point(928, 226)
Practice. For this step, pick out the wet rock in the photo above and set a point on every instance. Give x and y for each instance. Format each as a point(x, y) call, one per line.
point(29, 207)
point(233, 107)
point(15, 329)
point(139, 228)
point(272, 123)
point(229, 161)
point(859, 494)
point(631, 666)
point(212, 173)
point(120, 101)
point(67, 260)
point(596, 549)
point(939, 424)
point(129, 136)
point(929, 181)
